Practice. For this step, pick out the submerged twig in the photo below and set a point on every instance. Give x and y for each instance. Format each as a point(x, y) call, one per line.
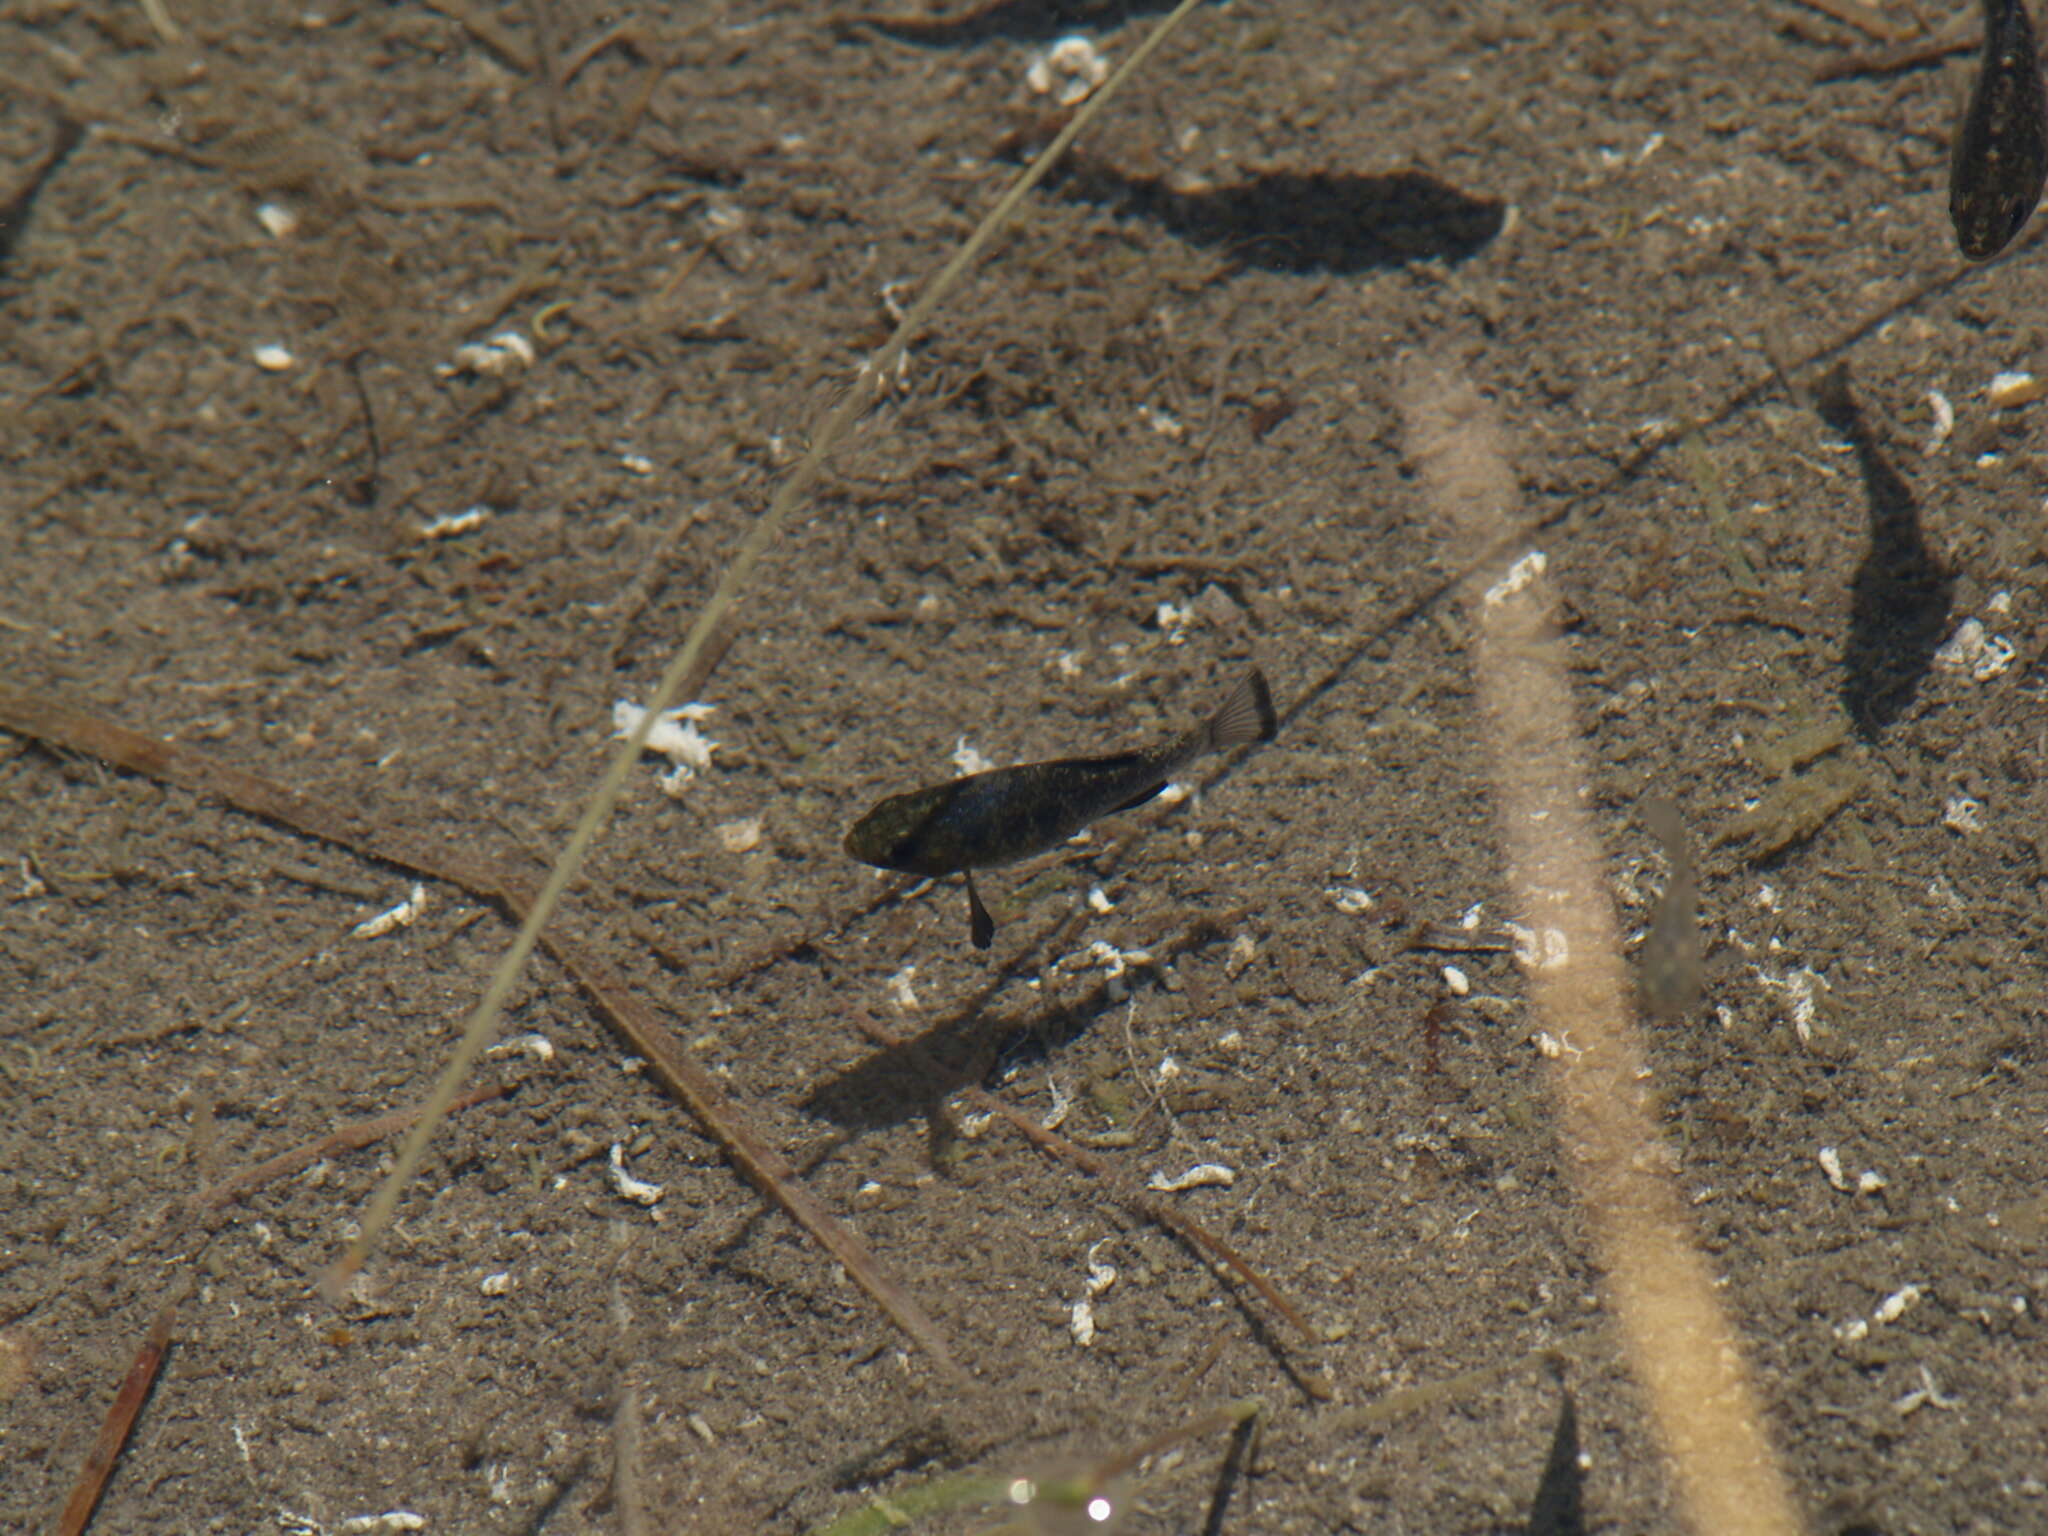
point(120, 1421)
point(347, 1138)
point(172, 763)
point(1893, 61)
point(1860, 16)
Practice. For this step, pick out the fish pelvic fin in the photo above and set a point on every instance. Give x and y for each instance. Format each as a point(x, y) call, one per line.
point(1246, 715)
point(981, 928)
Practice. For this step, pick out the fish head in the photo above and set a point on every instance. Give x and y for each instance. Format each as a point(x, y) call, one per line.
point(893, 835)
point(1989, 220)
point(1999, 161)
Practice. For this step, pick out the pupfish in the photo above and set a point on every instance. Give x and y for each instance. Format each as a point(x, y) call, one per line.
point(2000, 157)
point(1007, 814)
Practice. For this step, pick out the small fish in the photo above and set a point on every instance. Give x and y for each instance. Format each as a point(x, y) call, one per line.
point(1007, 814)
point(2000, 159)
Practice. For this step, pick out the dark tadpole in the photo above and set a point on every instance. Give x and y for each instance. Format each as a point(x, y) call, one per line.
point(1899, 600)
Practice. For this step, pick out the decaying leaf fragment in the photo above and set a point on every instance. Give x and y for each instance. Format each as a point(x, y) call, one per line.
point(1794, 808)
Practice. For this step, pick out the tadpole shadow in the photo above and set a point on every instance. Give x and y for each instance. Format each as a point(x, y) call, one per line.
point(1023, 21)
point(1559, 1508)
point(1900, 596)
point(1305, 221)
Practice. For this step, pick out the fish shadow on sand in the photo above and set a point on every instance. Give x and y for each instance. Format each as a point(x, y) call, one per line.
point(901, 1082)
point(1024, 21)
point(1306, 221)
point(969, 1044)
point(1900, 597)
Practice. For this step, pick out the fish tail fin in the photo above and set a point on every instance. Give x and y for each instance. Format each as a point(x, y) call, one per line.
point(1246, 715)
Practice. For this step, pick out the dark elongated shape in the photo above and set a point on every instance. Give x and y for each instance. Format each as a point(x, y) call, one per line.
point(1007, 814)
point(2000, 158)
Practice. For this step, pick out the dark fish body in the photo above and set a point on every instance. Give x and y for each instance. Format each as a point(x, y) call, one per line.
point(1007, 814)
point(2000, 159)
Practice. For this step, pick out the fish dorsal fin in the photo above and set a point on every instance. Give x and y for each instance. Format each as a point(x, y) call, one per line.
point(1246, 715)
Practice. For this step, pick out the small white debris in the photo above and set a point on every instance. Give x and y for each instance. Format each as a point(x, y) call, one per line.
point(639, 1191)
point(1173, 794)
point(1068, 71)
point(1974, 650)
point(1198, 1177)
point(900, 991)
point(1963, 815)
point(636, 464)
point(1928, 1396)
point(1350, 900)
point(1165, 423)
point(1869, 1182)
point(1520, 574)
point(2007, 390)
point(1831, 1164)
point(1894, 1306)
point(1944, 422)
point(1854, 1331)
point(1116, 963)
point(279, 221)
point(1801, 988)
point(1098, 901)
point(1534, 951)
point(675, 735)
point(742, 836)
point(1173, 620)
point(391, 1520)
point(451, 524)
point(1554, 1047)
point(966, 760)
point(504, 354)
point(1062, 1105)
point(1999, 603)
point(1243, 950)
point(538, 1046)
point(1469, 918)
point(1766, 897)
point(404, 915)
point(1101, 1276)
point(1457, 982)
point(272, 357)
point(1167, 1070)
point(499, 1284)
